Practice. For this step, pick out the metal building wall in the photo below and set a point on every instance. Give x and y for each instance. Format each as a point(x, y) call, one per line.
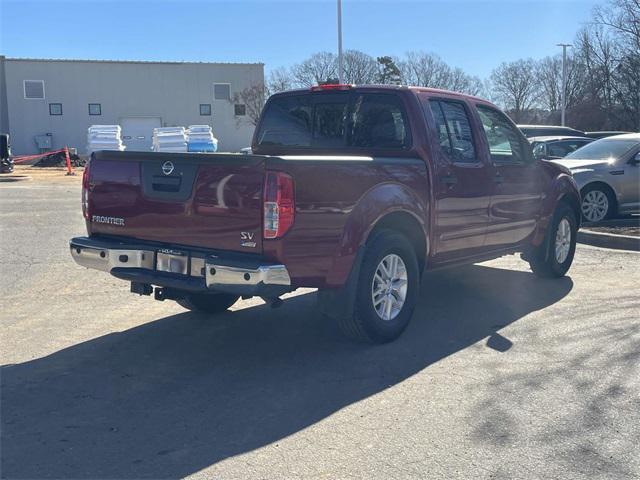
point(4, 111)
point(172, 91)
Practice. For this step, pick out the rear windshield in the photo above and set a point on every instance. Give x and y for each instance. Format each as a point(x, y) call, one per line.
point(335, 121)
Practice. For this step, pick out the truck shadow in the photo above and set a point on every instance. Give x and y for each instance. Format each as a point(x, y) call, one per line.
point(176, 395)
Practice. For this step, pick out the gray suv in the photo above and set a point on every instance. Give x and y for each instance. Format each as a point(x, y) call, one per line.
point(607, 172)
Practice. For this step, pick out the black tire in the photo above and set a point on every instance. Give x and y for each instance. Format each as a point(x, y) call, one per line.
point(543, 260)
point(611, 200)
point(366, 325)
point(208, 302)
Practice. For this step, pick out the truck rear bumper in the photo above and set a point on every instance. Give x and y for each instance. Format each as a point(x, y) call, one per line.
point(187, 269)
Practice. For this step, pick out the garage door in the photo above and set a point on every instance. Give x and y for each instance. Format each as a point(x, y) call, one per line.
point(137, 132)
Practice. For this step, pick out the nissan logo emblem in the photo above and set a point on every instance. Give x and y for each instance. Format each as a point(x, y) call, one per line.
point(167, 168)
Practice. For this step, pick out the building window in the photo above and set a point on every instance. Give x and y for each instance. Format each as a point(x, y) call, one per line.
point(95, 109)
point(222, 91)
point(240, 109)
point(34, 89)
point(205, 109)
point(55, 109)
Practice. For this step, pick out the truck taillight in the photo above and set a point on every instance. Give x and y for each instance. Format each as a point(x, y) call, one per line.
point(279, 204)
point(85, 191)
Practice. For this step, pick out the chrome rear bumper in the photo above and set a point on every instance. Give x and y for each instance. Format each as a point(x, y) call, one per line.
point(195, 270)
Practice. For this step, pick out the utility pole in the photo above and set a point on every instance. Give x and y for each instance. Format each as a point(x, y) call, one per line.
point(563, 104)
point(340, 69)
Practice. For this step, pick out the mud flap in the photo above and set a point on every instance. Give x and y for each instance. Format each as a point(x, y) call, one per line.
point(340, 302)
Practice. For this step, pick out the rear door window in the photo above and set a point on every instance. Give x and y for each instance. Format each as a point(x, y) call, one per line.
point(379, 121)
point(345, 120)
point(454, 130)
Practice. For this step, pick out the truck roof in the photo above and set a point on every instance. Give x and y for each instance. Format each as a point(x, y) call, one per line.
point(385, 87)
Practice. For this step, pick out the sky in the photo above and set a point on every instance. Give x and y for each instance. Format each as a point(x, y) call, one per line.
point(475, 35)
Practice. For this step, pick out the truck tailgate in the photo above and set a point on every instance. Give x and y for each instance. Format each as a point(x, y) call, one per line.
point(203, 200)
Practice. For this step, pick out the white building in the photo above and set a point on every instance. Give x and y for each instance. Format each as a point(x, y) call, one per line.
point(58, 100)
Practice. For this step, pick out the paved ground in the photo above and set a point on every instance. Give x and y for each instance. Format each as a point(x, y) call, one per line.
point(500, 375)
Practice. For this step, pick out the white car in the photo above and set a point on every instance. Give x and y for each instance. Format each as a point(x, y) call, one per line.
point(607, 172)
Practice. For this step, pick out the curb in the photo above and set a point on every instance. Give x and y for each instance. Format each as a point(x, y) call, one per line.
point(609, 240)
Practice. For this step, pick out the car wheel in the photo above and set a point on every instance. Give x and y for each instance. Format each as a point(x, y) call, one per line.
point(553, 258)
point(387, 290)
point(208, 302)
point(597, 203)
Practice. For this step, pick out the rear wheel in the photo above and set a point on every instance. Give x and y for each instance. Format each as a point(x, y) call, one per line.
point(387, 290)
point(208, 302)
point(553, 258)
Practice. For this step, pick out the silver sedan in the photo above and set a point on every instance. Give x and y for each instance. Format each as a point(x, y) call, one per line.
point(607, 172)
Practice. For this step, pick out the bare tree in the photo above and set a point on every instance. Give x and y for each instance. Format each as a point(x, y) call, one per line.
point(627, 89)
point(550, 79)
point(279, 80)
point(359, 68)
point(549, 74)
point(459, 81)
point(598, 52)
point(424, 70)
point(515, 86)
point(253, 100)
point(429, 70)
point(623, 18)
point(317, 69)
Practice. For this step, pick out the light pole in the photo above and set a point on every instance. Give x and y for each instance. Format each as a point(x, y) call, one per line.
point(563, 104)
point(340, 77)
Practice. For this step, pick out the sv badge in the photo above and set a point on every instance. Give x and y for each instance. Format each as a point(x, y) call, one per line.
point(247, 239)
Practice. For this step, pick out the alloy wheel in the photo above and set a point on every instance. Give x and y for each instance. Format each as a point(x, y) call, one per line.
point(563, 241)
point(389, 287)
point(595, 205)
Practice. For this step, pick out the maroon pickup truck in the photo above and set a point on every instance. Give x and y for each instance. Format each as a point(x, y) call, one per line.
point(354, 190)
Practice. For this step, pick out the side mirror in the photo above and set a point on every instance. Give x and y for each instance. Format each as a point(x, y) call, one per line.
point(636, 160)
point(5, 147)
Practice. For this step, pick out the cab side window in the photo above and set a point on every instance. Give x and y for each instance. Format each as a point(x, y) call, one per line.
point(504, 139)
point(454, 130)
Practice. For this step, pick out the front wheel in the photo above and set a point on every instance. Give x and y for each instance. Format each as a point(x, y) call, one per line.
point(553, 258)
point(597, 203)
point(387, 290)
point(208, 302)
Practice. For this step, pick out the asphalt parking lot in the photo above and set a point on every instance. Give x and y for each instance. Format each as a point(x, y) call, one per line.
point(500, 374)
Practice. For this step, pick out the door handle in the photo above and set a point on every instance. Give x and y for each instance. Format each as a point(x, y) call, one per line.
point(498, 178)
point(449, 180)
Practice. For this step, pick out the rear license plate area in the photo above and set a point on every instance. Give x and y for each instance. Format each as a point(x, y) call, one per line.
point(172, 261)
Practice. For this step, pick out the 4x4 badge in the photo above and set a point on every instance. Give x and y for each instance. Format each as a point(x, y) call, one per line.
point(246, 239)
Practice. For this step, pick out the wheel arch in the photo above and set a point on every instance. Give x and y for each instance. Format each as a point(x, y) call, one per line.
point(390, 205)
point(602, 184)
point(574, 203)
point(406, 223)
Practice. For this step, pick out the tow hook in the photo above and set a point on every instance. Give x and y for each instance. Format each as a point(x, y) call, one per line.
point(163, 293)
point(141, 288)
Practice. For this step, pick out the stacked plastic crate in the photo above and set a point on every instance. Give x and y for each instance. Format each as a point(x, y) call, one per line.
point(201, 139)
point(169, 139)
point(104, 137)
